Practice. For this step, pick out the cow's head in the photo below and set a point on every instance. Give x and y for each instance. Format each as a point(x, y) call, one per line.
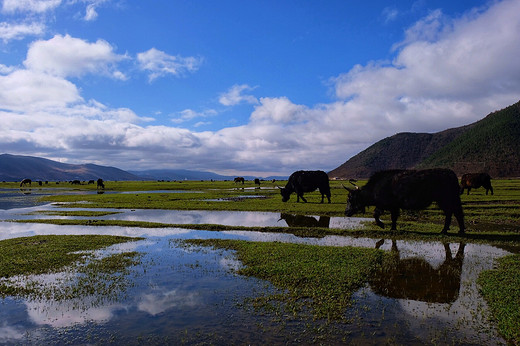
point(355, 202)
point(286, 194)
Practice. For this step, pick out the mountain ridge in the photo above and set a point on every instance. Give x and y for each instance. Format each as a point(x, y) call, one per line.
point(490, 145)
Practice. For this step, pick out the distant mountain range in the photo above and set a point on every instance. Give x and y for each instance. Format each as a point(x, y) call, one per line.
point(490, 145)
point(183, 174)
point(17, 167)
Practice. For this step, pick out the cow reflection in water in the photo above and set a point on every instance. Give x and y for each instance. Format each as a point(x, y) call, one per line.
point(305, 221)
point(416, 279)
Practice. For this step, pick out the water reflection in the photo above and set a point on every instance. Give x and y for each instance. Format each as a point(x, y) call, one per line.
point(416, 279)
point(428, 289)
point(228, 218)
point(305, 221)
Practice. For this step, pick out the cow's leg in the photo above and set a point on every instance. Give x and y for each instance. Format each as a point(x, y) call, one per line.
point(394, 215)
point(447, 222)
point(459, 215)
point(301, 196)
point(469, 188)
point(377, 213)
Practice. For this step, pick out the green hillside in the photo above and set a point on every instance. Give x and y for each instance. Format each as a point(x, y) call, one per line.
point(490, 145)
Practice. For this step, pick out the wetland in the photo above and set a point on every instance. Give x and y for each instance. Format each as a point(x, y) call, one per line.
point(216, 263)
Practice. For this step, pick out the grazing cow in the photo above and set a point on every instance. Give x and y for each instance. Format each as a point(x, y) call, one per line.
point(239, 180)
point(408, 189)
point(306, 181)
point(75, 182)
point(100, 184)
point(474, 181)
point(25, 181)
point(257, 181)
point(91, 181)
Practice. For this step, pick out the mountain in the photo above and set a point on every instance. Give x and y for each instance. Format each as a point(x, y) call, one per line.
point(489, 145)
point(183, 174)
point(179, 174)
point(17, 167)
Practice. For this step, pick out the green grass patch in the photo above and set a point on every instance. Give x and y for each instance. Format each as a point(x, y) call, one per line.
point(479, 208)
point(315, 280)
point(43, 254)
point(101, 278)
point(501, 289)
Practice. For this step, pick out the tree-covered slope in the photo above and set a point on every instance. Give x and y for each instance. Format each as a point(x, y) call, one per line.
point(490, 145)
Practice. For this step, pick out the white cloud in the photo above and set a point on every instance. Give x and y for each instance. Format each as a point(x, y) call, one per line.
point(66, 56)
point(159, 64)
point(390, 14)
point(445, 73)
point(10, 31)
point(24, 90)
point(91, 9)
point(235, 96)
point(35, 6)
point(278, 110)
point(190, 114)
point(90, 13)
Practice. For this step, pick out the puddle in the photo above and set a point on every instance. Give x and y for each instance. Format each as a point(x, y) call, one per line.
point(178, 294)
point(228, 218)
point(28, 197)
point(428, 294)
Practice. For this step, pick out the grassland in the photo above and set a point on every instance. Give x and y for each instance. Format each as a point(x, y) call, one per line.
point(486, 216)
point(49, 254)
point(489, 218)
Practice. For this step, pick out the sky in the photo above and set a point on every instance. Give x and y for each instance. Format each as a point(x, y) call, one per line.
point(246, 87)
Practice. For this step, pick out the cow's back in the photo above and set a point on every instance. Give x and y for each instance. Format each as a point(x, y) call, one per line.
point(418, 189)
point(308, 181)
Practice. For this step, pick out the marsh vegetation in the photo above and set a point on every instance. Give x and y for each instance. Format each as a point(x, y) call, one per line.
point(317, 285)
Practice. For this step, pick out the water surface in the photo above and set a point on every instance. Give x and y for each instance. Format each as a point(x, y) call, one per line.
point(428, 294)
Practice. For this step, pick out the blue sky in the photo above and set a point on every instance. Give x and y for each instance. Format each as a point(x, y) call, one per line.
point(245, 87)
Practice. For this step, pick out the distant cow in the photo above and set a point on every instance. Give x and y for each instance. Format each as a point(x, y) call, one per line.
point(100, 184)
point(408, 189)
point(25, 181)
point(474, 181)
point(306, 181)
point(239, 180)
point(257, 181)
point(75, 182)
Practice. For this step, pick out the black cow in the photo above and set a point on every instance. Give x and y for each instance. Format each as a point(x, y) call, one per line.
point(306, 181)
point(100, 184)
point(239, 180)
point(474, 181)
point(408, 189)
point(257, 181)
point(25, 182)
